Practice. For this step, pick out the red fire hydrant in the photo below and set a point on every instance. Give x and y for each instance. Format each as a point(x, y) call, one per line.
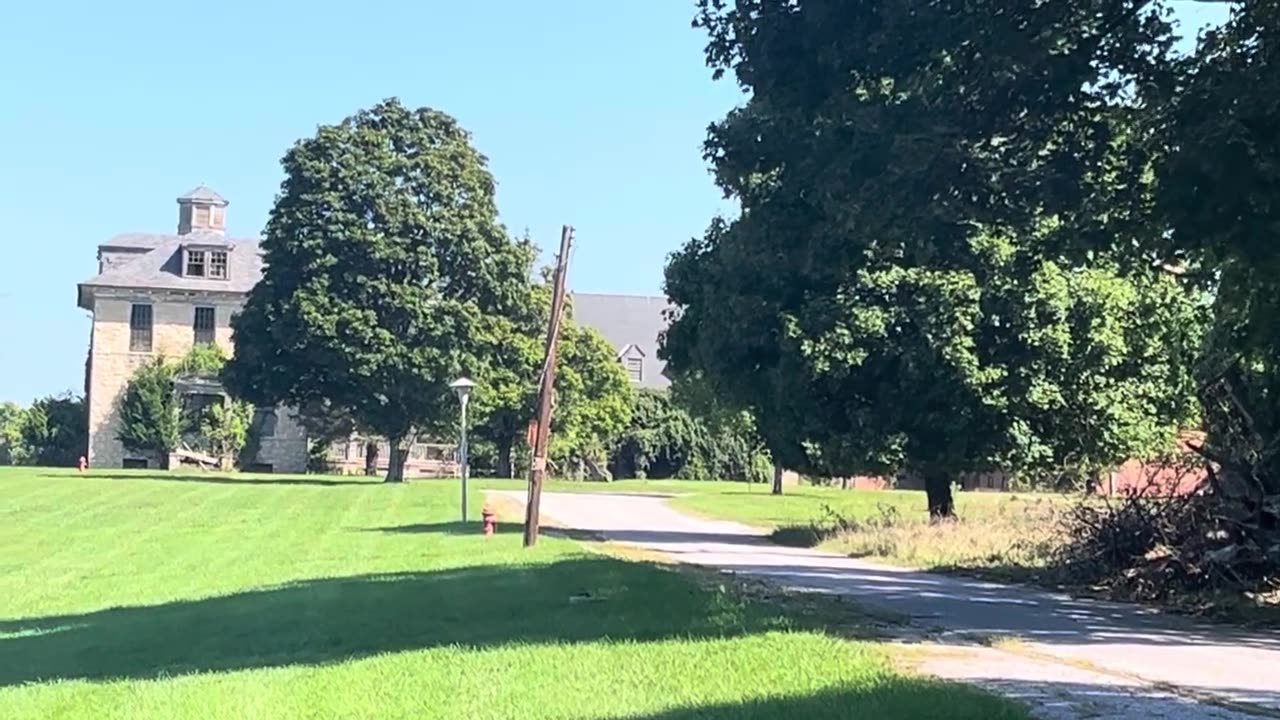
point(490, 520)
point(84, 463)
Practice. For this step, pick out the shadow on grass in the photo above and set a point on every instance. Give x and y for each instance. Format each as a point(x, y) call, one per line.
point(917, 698)
point(657, 537)
point(326, 620)
point(472, 527)
point(214, 479)
point(890, 698)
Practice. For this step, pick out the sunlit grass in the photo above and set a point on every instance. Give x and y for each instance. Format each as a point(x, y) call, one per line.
point(151, 595)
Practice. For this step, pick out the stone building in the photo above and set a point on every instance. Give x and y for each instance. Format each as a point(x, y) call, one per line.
point(159, 294)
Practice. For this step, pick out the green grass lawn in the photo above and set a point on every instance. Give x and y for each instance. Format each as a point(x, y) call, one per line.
point(135, 595)
point(753, 505)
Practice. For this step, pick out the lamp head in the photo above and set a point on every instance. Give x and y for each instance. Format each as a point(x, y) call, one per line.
point(462, 388)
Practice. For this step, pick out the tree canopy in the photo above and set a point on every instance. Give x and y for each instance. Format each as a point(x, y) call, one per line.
point(387, 275)
point(592, 400)
point(52, 432)
point(1220, 180)
point(913, 281)
point(12, 418)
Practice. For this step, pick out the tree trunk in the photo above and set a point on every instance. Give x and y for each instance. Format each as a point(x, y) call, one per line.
point(371, 459)
point(504, 459)
point(777, 479)
point(395, 463)
point(937, 487)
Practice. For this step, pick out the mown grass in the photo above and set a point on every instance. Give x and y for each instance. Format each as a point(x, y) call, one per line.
point(130, 595)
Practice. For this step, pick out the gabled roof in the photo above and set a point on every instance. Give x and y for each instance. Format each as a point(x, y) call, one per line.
point(161, 267)
point(628, 321)
point(203, 194)
point(631, 350)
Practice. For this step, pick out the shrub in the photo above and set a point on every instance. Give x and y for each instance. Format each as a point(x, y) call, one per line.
point(664, 440)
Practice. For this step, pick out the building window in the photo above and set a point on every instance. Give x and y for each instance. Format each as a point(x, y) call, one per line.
point(205, 325)
point(195, 263)
point(635, 369)
point(218, 264)
point(140, 328)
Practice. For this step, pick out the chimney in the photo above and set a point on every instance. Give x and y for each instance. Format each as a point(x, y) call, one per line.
point(203, 211)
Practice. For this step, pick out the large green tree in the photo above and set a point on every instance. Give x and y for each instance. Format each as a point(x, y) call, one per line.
point(907, 286)
point(55, 431)
point(593, 398)
point(387, 275)
point(12, 418)
point(1219, 182)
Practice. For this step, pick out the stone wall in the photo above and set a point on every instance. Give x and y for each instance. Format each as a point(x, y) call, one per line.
point(285, 450)
point(112, 364)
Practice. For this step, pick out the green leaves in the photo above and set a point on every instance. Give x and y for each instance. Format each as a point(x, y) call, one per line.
point(1220, 180)
point(387, 275)
point(52, 432)
point(150, 421)
point(911, 281)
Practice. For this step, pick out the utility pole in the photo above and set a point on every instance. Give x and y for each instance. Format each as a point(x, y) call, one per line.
point(546, 390)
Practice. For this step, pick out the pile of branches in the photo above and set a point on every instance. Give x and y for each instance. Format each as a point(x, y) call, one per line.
point(1220, 541)
point(1143, 546)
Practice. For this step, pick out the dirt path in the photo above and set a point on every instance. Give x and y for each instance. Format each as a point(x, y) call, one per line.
point(1071, 658)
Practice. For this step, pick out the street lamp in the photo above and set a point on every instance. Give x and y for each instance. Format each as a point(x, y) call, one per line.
point(462, 388)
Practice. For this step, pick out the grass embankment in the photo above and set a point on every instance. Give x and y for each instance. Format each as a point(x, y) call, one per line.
point(169, 596)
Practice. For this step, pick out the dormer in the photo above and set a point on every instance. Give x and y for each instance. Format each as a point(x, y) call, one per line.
point(202, 211)
point(206, 261)
point(632, 358)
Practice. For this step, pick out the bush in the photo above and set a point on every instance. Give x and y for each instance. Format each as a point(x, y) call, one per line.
point(150, 421)
point(665, 441)
point(54, 432)
point(155, 420)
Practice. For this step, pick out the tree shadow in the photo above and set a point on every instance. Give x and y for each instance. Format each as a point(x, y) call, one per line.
point(472, 527)
point(320, 621)
point(640, 537)
point(212, 479)
point(907, 697)
point(897, 697)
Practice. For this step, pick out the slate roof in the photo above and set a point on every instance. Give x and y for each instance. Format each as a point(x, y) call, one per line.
point(630, 322)
point(134, 241)
point(161, 268)
point(203, 194)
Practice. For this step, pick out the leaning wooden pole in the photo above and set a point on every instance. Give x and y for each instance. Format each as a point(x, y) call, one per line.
point(542, 431)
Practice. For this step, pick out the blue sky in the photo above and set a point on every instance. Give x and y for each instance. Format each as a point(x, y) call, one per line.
point(592, 113)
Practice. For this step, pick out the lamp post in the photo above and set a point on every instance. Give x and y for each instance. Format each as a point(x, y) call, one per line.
point(462, 388)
